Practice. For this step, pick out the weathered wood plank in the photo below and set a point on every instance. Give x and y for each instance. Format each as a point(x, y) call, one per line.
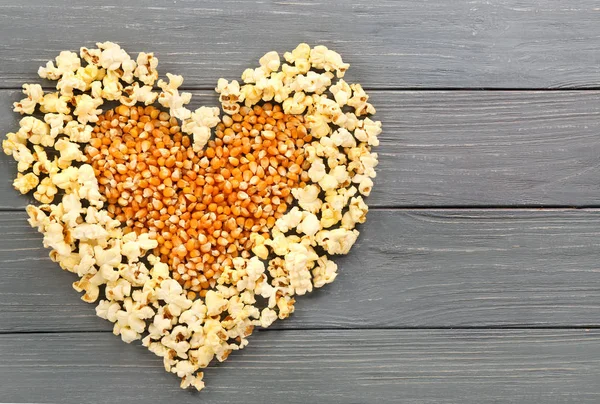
point(348, 366)
point(410, 268)
point(458, 148)
point(390, 44)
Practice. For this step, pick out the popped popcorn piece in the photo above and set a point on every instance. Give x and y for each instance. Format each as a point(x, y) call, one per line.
point(25, 183)
point(45, 191)
point(359, 101)
point(328, 60)
point(310, 224)
point(357, 213)
point(229, 95)
point(35, 96)
point(78, 132)
point(337, 241)
point(66, 62)
point(199, 125)
point(170, 97)
point(146, 68)
point(36, 131)
point(325, 272)
point(68, 152)
point(137, 94)
point(55, 103)
point(270, 62)
point(86, 109)
point(56, 123)
point(70, 82)
point(290, 220)
point(308, 198)
point(111, 88)
point(112, 56)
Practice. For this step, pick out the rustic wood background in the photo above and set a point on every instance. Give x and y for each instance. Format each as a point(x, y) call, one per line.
point(476, 277)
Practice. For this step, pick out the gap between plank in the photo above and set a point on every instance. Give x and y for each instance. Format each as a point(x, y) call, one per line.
point(396, 89)
point(426, 328)
point(445, 208)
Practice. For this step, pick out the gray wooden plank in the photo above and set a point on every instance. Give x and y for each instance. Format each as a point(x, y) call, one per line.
point(349, 366)
point(458, 148)
point(410, 268)
point(390, 43)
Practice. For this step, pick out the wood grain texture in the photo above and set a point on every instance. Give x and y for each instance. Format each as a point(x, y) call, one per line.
point(389, 43)
point(349, 366)
point(410, 268)
point(457, 148)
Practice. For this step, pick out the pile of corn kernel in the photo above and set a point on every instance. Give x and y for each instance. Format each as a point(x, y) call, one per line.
point(284, 178)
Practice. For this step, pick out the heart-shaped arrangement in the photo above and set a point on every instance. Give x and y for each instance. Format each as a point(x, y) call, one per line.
point(192, 229)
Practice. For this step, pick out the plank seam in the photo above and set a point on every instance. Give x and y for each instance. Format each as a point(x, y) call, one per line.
point(557, 208)
point(397, 89)
point(426, 328)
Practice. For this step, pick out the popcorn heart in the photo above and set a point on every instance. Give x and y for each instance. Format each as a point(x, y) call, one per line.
point(177, 221)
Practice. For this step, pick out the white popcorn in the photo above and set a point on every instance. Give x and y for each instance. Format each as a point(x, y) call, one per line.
point(357, 213)
point(45, 191)
point(66, 62)
point(112, 56)
point(65, 179)
point(73, 209)
point(170, 97)
point(258, 246)
point(89, 231)
point(341, 92)
point(92, 291)
point(229, 95)
point(56, 123)
point(342, 137)
point(328, 60)
point(86, 109)
point(316, 172)
point(299, 56)
point(146, 68)
point(289, 220)
point(325, 272)
point(108, 310)
point(110, 88)
point(310, 224)
point(215, 303)
point(199, 125)
point(55, 103)
point(25, 183)
point(328, 182)
point(359, 101)
point(54, 238)
point(330, 216)
point(89, 74)
point(308, 198)
point(68, 152)
point(37, 131)
point(78, 132)
point(337, 241)
point(89, 185)
point(312, 83)
point(365, 183)
point(270, 62)
point(372, 129)
point(35, 95)
point(318, 125)
point(118, 290)
point(137, 94)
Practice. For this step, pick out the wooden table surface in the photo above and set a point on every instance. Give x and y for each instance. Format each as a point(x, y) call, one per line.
point(476, 278)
